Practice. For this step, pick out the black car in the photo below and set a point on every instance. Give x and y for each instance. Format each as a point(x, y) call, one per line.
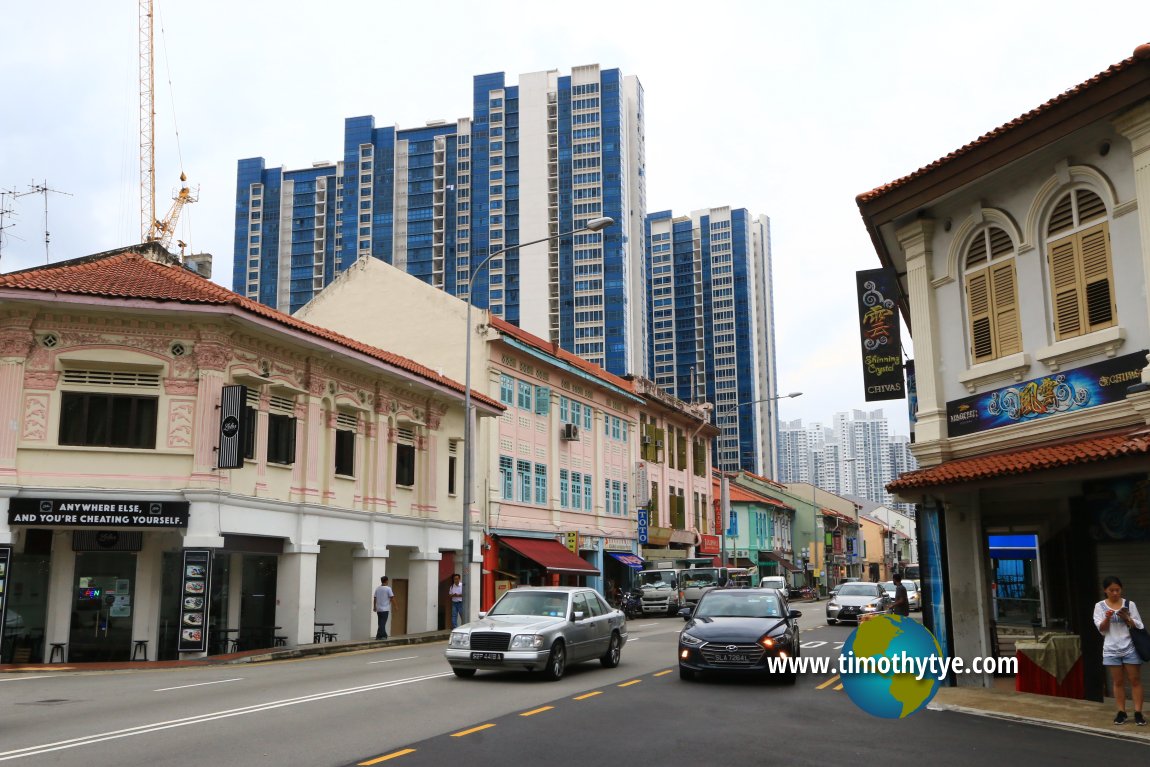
point(737, 631)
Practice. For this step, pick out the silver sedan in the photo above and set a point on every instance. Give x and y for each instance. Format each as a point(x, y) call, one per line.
point(539, 629)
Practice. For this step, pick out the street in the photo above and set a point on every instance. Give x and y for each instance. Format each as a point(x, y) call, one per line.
point(404, 703)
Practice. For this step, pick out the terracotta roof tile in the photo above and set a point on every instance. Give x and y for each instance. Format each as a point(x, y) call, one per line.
point(1141, 53)
point(1039, 458)
point(128, 275)
point(503, 326)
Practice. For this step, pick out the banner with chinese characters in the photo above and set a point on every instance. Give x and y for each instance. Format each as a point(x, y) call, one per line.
point(878, 324)
point(1062, 392)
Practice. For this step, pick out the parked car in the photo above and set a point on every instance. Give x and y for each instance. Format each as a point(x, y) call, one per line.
point(912, 594)
point(735, 631)
point(855, 599)
point(539, 629)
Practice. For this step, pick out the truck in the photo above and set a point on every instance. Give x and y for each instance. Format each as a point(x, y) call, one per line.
point(660, 590)
point(694, 581)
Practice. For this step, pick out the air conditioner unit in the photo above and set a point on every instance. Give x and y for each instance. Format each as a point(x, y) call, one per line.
point(658, 443)
point(645, 440)
point(570, 432)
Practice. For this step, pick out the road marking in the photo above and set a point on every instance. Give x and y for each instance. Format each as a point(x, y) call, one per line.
point(645, 625)
point(392, 755)
point(393, 660)
point(198, 684)
point(829, 682)
point(664, 673)
point(22, 678)
point(839, 645)
point(85, 740)
point(537, 711)
point(838, 686)
point(628, 684)
point(633, 639)
point(812, 645)
point(461, 733)
point(589, 695)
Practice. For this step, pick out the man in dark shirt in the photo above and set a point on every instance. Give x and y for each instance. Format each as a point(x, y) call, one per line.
point(901, 604)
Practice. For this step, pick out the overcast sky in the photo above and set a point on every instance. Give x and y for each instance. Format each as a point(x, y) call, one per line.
point(785, 108)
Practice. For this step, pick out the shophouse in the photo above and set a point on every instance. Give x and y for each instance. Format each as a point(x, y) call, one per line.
point(760, 526)
point(189, 471)
point(1023, 270)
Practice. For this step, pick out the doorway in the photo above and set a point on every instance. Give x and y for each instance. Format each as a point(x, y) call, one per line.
point(101, 627)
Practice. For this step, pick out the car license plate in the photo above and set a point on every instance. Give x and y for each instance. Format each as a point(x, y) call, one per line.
point(486, 656)
point(731, 658)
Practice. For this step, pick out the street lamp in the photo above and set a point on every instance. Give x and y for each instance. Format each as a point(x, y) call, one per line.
point(592, 225)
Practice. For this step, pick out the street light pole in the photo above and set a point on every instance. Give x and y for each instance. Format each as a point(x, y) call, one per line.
point(593, 225)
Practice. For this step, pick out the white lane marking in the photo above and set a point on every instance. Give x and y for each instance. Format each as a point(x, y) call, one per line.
point(839, 645)
point(200, 719)
point(22, 678)
point(198, 684)
point(645, 625)
point(812, 645)
point(631, 639)
point(393, 660)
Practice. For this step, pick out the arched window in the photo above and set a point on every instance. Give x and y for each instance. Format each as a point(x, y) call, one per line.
point(992, 296)
point(1081, 275)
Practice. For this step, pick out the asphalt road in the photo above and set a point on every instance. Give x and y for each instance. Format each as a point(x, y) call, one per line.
point(404, 703)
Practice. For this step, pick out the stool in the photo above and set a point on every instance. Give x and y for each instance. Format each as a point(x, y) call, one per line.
point(137, 645)
point(281, 641)
point(330, 636)
point(57, 647)
point(233, 644)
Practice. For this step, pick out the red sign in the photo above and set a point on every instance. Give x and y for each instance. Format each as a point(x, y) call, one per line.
point(709, 544)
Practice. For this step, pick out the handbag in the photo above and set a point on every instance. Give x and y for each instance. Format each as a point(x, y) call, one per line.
point(1141, 640)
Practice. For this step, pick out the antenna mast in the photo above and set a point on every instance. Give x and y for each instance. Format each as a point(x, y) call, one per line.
point(147, 123)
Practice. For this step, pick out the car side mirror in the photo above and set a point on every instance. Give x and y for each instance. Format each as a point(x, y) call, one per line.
point(482, 613)
point(685, 613)
point(577, 615)
point(796, 614)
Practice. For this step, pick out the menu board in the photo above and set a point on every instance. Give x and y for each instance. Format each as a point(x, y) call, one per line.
point(195, 578)
point(4, 555)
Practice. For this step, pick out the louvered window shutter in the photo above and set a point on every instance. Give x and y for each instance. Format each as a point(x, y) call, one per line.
point(1004, 298)
point(1064, 286)
point(1095, 245)
point(981, 339)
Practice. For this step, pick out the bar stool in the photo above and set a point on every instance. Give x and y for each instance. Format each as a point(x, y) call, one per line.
point(281, 641)
point(137, 645)
point(57, 647)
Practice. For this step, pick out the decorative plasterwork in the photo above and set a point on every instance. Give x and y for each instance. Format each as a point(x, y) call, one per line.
point(1059, 353)
point(36, 417)
point(1065, 178)
point(979, 217)
point(180, 416)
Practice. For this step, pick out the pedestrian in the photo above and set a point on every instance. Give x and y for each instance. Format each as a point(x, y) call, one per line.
point(455, 591)
point(1114, 616)
point(901, 603)
point(381, 602)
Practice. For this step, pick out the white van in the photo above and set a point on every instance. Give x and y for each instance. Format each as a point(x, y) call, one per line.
point(777, 582)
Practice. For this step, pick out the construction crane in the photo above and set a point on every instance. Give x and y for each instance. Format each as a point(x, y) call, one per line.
point(153, 229)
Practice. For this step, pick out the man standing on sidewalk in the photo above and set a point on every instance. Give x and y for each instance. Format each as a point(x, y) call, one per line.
point(901, 604)
point(381, 601)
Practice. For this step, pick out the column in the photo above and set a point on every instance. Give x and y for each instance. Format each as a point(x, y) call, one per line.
point(15, 343)
point(423, 591)
point(930, 428)
point(61, 590)
point(146, 594)
point(203, 520)
point(367, 567)
point(1135, 126)
point(295, 592)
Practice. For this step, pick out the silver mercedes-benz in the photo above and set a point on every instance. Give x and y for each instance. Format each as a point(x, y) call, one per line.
point(539, 629)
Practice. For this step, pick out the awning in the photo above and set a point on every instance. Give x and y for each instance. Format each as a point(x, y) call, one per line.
point(550, 554)
point(770, 556)
point(633, 561)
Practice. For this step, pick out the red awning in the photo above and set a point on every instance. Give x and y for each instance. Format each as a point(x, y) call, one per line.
point(551, 554)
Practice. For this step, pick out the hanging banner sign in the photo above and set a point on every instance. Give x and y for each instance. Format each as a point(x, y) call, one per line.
point(881, 347)
point(643, 529)
point(196, 577)
point(233, 399)
point(1062, 392)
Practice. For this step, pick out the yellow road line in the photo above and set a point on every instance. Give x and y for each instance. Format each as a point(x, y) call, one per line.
point(838, 686)
point(664, 673)
point(628, 684)
point(473, 729)
point(589, 695)
point(828, 683)
point(392, 755)
point(537, 711)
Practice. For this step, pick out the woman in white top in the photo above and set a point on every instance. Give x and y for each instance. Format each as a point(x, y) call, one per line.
point(1113, 616)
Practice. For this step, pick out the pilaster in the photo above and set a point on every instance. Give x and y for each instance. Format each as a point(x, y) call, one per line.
point(1135, 126)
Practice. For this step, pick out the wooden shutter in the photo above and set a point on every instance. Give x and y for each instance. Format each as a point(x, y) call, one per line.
point(1064, 288)
point(1004, 302)
point(978, 297)
point(1095, 248)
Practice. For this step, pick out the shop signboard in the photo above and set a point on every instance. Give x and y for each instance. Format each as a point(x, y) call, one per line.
point(231, 452)
point(75, 512)
point(879, 330)
point(642, 526)
point(196, 577)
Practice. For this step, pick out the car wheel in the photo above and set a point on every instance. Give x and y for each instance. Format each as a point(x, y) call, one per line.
point(556, 662)
point(831, 621)
point(686, 674)
point(614, 652)
point(464, 673)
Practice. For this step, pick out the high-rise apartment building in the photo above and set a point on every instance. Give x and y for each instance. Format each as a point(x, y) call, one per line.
point(534, 160)
point(711, 319)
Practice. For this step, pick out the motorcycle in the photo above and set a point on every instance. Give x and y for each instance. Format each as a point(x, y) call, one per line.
point(633, 604)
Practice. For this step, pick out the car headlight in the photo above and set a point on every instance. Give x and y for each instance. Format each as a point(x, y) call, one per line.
point(526, 642)
point(871, 607)
point(690, 641)
point(460, 639)
point(767, 642)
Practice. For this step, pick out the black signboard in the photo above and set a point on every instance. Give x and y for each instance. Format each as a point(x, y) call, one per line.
point(42, 512)
point(5, 554)
point(881, 347)
point(196, 578)
point(231, 452)
point(1051, 395)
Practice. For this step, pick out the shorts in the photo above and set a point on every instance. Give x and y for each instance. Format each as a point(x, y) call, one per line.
point(1129, 659)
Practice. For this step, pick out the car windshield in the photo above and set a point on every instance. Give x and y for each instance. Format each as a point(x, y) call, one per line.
point(727, 604)
point(859, 590)
point(695, 578)
point(774, 583)
point(659, 579)
point(544, 604)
